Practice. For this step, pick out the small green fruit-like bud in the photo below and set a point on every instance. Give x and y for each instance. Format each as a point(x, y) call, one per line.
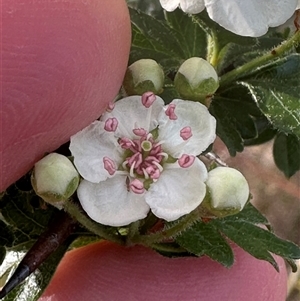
point(228, 191)
point(142, 76)
point(54, 179)
point(196, 79)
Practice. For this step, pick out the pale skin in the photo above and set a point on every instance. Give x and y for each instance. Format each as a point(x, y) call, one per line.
point(62, 62)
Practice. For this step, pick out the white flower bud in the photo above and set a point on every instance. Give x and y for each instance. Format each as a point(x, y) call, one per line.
point(54, 179)
point(228, 191)
point(196, 79)
point(142, 76)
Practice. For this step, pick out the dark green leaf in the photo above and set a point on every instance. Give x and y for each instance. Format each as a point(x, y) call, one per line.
point(259, 242)
point(2, 254)
point(226, 128)
point(249, 214)
point(192, 38)
point(234, 55)
point(265, 132)
point(276, 91)
point(205, 239)
point(286, 152)
point(23, 222)
point(154, 39)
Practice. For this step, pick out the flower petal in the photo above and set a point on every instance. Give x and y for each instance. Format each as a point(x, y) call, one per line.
point(90, 146)
point(109, 202)
point(178, 191)
point(169, 5)
point(250, 18)
point(192, 6)
point(189, 114)
point(131, 114)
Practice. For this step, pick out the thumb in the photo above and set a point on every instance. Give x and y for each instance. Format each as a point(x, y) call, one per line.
point(105, 271)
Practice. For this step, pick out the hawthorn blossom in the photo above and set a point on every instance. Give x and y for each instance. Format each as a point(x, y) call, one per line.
point(242, 17)
point(141, 155)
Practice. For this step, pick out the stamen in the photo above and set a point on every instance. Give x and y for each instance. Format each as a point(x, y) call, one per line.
point(136, 158)
point(154, 172)
point(110, 106)
point(124, 164)
point(171, 112)
point(148, 99)
point(109, 165)
point(145, 173)
point(165, 155)
point(140, 132)
point(137, 186)
point(158, 166)
point(132, 169)
point(111, 124)
point(186, 160)
point(125, 143)
point(186, 133)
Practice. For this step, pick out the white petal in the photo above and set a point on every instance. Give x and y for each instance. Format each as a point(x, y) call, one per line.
point(250, 18)
point(169, 5)
point(178, 191)
point(109, 202)
point(192, 6)
point(131, 114)
point(89, 147)
point(194, 115)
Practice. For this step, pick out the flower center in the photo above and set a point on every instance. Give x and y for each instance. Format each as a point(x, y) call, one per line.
point(144, 156)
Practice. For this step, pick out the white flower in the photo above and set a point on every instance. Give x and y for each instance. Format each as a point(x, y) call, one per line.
point(243, 17)
point(142, 155)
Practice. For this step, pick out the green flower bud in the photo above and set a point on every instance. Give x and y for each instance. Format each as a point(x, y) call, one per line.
point(228, 192)
point(142, 76)
point(54, 179)
point(196, 80)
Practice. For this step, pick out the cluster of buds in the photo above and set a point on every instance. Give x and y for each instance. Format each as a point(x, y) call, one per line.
point(195, 80)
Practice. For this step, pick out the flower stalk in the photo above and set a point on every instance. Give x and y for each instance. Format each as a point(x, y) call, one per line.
point(258, 63)
point(104, 232)
point(167, 233)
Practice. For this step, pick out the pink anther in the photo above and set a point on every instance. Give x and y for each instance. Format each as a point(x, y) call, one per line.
point(136, 158)
point(171, 111)
point(186, 133)
point(137, 186)
point(186, 160)
point(148, 99)
point(110, 106)
point(109, 165)
point(125, 143)
point(111, 124)
point(153, 172)
point(140, 132)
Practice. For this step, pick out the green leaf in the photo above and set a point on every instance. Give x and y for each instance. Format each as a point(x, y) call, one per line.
point(286, 153)
point(191, 36)
point(259, 242)
point(205, 239)
point(234, 55)
point(2, 254)
point(154, 39)
point(276, 91)
point(249, 214)
point(23, 223)
point(226, 128)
